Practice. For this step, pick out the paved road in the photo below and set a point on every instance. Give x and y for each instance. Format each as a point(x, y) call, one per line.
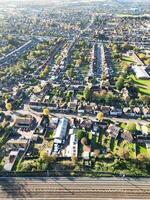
point(60, 115)
point(94, 117)
point(74, 188)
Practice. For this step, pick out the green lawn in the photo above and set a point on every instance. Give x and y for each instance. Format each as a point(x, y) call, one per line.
point(143, 150)
point(123, 125)
point(132, 150)
point(144, 85)
point(127, 59)
point(114, 146)
point(90, 135)
point(84, 69)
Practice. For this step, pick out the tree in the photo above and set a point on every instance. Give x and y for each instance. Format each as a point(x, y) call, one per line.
point(74, 160)
point(70, 73)
point(131, 126)
point(87, 93)
point(110, 98)
point(8, 106)
point(43, 155)
point(100, 116)
point(142, 56)
point(44, 72)
point(119, 83)
point(96, 152)
point(141, 157)
point(147, 62)
point(25, 166)
point(46, 111)
point(145, 99)
point(84, 141)
point(123, 153)
point(69, 94)
point(80, 134)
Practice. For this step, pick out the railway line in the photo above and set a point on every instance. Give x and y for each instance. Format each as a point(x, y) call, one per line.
point(74, 188)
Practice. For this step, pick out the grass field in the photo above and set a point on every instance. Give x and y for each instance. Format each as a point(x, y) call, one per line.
point(144, 85)
point(142, 150)
point(127, 59)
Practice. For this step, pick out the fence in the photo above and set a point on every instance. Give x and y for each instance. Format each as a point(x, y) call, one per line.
point(51, 173)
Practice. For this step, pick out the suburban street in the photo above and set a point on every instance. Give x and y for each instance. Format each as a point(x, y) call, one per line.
point(94, 118)
point(74, 188)
point(61, 115)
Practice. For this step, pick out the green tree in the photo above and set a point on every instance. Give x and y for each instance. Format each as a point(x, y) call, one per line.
point(123, 153)
point(80, 134)
point(131, 126)
point(46, 111)
point(84, 141)
point(96, 152)
point(100, 116)
point(141, 157)
point(74, 160)
point(145, 99)
point(8, 106)
point(87, 93)
point(120, 83)
point(70, 73)
point(43, 155)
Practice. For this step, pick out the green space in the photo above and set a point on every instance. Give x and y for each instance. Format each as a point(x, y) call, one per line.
point(127, 59)
point(84, 69)
point(141, 149)
point(143, 85)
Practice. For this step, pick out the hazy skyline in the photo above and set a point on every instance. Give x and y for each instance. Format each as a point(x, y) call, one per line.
point(65, 1)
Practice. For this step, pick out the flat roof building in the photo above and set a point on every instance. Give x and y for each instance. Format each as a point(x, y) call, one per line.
point(72, 148)
point(140, 72)
point(61, 130)
point(23, 121)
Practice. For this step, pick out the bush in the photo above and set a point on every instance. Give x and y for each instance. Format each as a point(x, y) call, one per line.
point(84, 141)
point(131, 126)
point(80, 134)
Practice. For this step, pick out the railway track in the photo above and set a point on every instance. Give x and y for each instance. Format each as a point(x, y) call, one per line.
point(87, 188)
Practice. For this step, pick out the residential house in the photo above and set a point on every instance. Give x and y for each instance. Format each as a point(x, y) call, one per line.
point(16, 144)
point(126, 135)
point(89, 108)
point(145, 130)
point(72, 106)
point(86, 152)
point(137, 111)
point(86, 124)
point(116, 112)
point(113, 130)
point(146, 112)
point(125, 94)
point(23, 121)
point(105, 110)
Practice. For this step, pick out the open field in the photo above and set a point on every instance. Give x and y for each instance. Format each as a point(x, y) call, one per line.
point(144, 85)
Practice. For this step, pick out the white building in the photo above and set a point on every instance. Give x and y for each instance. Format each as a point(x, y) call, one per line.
point(140, 72)
point(61, 131)
point(72, 148)
point(11, 160)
